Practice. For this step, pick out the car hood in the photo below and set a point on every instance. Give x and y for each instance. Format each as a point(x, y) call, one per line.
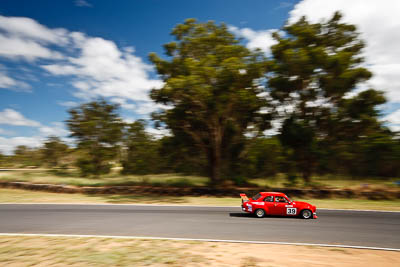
point(303, 204)
point(300, 203)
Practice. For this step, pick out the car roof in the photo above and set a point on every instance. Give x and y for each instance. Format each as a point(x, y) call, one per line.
point(272, 194)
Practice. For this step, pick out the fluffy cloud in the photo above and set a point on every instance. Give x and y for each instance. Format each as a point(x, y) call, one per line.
point(7, 145)
point(12, 117)
point(24, 38)
point(158, 133)
point(6, 132)
point(394, 120)
point(96, 67)
point(15, 48)
point(255, 39)
point(103, 70)
point(56, 129)
point(12, 84)
point(6, 81)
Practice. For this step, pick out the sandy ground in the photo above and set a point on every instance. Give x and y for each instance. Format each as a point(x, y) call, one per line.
point(299, 256)
point(73, 251)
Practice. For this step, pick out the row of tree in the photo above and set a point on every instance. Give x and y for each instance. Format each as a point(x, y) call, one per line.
point(221, 97)
point(138, 152)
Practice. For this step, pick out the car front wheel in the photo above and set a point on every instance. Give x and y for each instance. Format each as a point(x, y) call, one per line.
point(260, 213)
point(306, 214)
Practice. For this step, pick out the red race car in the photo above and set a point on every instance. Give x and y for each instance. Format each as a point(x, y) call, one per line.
point(276, 203)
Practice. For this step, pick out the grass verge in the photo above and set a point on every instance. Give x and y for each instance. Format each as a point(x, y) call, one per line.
point(71, 177)
point(23, 196)
point(79, 251)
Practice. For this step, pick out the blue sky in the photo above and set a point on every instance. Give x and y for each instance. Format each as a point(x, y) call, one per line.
point(57, 54)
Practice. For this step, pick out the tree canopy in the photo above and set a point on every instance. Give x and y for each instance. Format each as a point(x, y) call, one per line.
point(97, 128)
point(211, 86)
point(313, 69)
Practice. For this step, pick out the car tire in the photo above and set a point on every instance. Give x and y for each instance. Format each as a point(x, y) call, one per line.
point(306, 214)
point(259, 213)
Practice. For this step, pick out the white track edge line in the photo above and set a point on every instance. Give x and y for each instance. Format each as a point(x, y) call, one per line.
point(170, 205)
point(199, 239)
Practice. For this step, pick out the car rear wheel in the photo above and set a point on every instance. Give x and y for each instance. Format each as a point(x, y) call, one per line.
point(306, 214)
point(260, 213)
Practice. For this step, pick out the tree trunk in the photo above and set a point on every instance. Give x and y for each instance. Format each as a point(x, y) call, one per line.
point(306, 177)
point(215, 157)
point(307, 168)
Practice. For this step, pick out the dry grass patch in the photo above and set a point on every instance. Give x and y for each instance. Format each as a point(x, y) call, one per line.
point(61, 251)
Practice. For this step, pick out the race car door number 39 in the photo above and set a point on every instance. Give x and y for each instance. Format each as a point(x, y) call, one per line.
point(291, 211)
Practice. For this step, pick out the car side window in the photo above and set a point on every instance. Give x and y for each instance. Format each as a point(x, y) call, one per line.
point(269, 199)
point(280, 199)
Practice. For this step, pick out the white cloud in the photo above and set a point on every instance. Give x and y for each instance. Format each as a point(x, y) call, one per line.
point(82, 3)
point(10, 83)
point(28, 28)
point(393, 117)
point(103, 70)
point(57, 129)
point(7, 145)
point(123, 103)
point(6, 132)
point(6, 81)
point(68, 104)
point(255, 39)
point(393, 120)
point(379, 26)
point(26, 39)
point(96, 67)
point(158, 133)
point(12, 47)
point(12, 117)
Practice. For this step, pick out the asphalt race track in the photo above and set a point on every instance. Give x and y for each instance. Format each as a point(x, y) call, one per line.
point(355, 228)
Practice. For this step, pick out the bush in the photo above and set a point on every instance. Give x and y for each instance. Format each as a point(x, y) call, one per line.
point(87, 167)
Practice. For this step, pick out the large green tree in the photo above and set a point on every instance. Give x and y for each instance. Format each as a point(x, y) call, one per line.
point(54, 150)
point(26, 156)
point(313, 67)
point(211, 86)
point(97, 128)
point(141, 150)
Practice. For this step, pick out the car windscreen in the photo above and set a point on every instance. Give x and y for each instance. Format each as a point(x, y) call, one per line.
point(256, 197)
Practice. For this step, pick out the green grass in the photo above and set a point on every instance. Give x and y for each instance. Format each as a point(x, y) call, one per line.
point(23, 196)
point(71, 177)
point(330, 181)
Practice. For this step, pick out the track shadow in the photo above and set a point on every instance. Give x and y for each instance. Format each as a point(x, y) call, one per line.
point(242, 215)
point(248, 215)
